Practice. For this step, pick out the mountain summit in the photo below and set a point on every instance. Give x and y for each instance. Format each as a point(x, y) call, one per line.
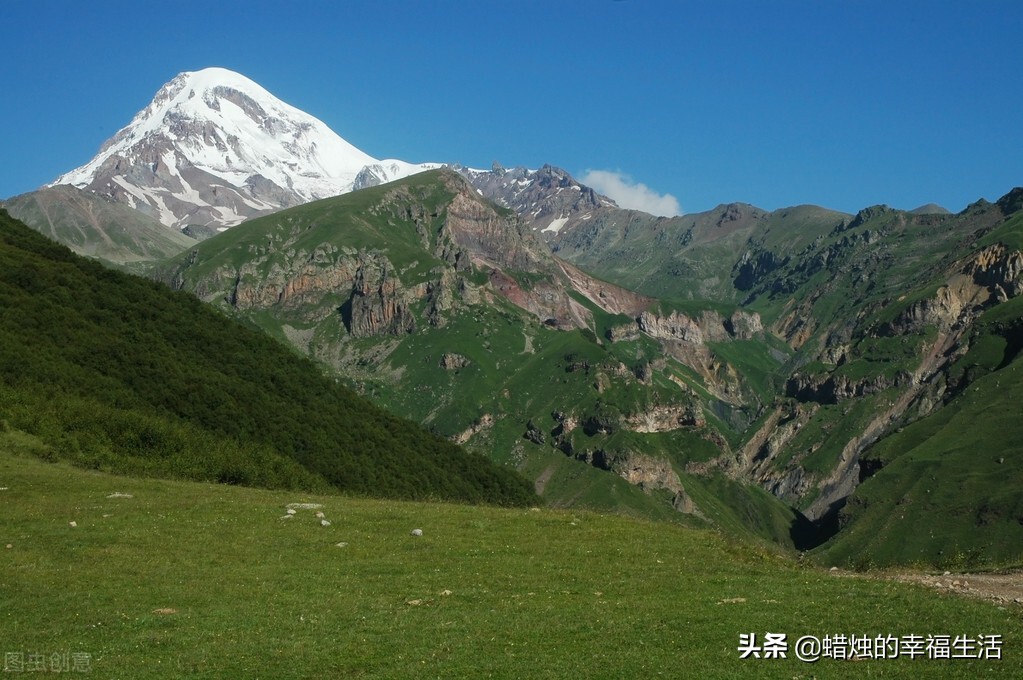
point(214, 148)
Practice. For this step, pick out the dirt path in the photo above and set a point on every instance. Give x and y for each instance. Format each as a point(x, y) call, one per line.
point(1003, 589)
point(1000, 588)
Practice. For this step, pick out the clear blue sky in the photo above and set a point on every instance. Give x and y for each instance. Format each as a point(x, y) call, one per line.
point(770, 102)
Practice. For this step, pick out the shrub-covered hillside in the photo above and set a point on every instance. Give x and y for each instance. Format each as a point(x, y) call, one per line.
point(116, 372)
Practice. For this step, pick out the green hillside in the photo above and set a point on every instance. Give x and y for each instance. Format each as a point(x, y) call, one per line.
point(118, 373)
point(437, 305)
point(162, 578)
point(947, 490)
point(778, 348)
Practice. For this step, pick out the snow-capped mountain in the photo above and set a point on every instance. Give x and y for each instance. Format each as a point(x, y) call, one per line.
point(215, 148)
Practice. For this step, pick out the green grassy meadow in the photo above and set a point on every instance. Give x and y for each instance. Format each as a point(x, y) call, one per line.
point(193, 579)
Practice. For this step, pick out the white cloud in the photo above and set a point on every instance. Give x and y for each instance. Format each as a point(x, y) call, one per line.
point(630, 194)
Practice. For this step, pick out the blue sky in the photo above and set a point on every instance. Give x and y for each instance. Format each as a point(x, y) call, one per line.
point(775, 103)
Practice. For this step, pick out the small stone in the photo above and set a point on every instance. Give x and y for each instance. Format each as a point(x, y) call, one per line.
point(324, 523)
point(292, 511)
point(72, 524)
point(287, 516)
point(445, 593)
point(320, 515)
point(947, 573)
point(833, 569)
point(10, 545)
point(417, 532)
point(342, 545)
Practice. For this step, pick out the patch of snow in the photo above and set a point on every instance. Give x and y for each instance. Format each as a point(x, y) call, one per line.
point(556, 225)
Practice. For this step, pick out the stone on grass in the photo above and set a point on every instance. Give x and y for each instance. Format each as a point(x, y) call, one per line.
point(324, 523)
point(417, 532)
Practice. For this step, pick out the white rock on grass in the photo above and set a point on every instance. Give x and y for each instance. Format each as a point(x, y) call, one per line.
point(324, 523)
point(320, 515)
point(417, 532)
point(305, 506)
point(292, 511)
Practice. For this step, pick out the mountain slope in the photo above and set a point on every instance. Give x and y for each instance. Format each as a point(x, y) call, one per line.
point(117, 372)
point(811, 336)
point(214, 148)
point(448, 310)
point(95, 226)
point(945, 489)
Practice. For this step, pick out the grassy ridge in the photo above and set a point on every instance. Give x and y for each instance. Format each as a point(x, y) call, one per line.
point(191, 579)
point(117, 372)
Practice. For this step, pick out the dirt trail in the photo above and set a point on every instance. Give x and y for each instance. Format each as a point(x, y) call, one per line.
point(1003, 589)
point(1000, 588)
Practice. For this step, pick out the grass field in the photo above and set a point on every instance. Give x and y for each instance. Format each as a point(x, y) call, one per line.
point(176, 578)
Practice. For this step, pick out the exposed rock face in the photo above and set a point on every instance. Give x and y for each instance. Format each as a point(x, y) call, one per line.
point(942, 310)
point(482, 424)
point(833, 389)
point(450, 361)
point(378, 305)
point(708, 327)
point(623, 332)
point(743, 325)
point(302, 281)
point(649, 473)
point(675, 326)
point(998, 269)
point(754, 266)
point(547, 200)
point(993, 275)
point(477, 228)
point(666, 419)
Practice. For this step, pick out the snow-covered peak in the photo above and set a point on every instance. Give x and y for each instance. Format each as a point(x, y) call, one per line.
point(212, 130)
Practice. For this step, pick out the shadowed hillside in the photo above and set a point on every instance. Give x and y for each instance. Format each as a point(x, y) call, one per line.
point(117, 372)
